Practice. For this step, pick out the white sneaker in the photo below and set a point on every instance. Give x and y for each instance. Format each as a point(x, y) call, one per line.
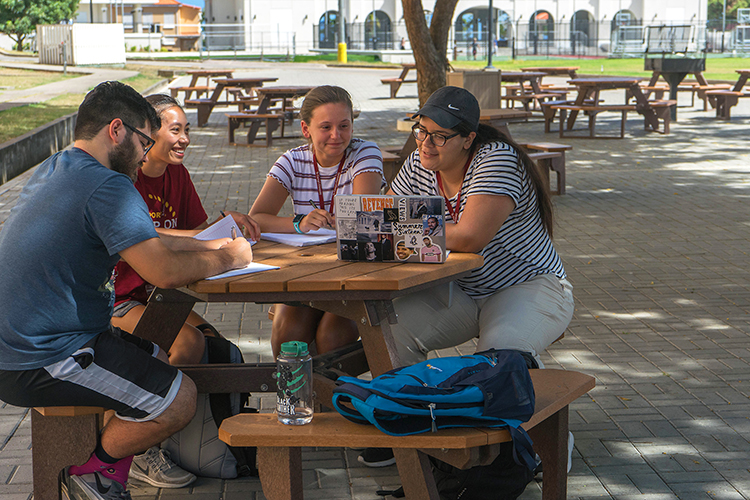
point(156, 468)
point(571, 444)
point(93, 486)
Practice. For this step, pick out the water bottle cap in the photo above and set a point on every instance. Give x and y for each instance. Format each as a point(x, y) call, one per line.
point(294, 348)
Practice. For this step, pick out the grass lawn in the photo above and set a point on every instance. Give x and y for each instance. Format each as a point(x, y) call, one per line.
point(719, 68)
point(20, 79)
point(17, 121)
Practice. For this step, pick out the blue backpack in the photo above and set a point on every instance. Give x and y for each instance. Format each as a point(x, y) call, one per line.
point(488, 389)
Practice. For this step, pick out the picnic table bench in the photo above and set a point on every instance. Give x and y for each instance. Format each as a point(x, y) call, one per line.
point(661, 109)
point(723, 99)
point(279, 446)
point(396, 83)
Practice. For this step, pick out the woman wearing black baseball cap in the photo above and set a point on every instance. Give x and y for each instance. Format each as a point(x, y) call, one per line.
point(497, 205)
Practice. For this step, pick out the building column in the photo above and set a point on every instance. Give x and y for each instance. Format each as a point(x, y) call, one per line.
point(247, 18)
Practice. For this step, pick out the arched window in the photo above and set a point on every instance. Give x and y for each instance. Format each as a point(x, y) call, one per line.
point(328, 28)
point(582, 30)
point(541, 27)
point(378, 34)
point(472, 23)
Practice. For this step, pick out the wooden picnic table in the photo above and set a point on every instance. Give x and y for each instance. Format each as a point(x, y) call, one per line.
point(361, 291)
point(396, 83)
point(266, 97)
point(742, 80)
point(529, 89)
point(208, 74)
point(247, 84)
point(589, 89)
point(553, 70)
point(195, 76)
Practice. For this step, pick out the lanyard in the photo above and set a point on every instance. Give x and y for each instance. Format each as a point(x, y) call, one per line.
point(448, 205)
point(320, 184)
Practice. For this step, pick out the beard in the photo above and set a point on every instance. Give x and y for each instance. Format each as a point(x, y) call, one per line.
point(124, 159)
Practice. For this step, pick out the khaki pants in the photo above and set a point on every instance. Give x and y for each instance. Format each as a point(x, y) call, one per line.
point(526, 317)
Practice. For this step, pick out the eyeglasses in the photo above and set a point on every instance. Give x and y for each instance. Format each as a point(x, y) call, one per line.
point(437, 138)
point(149, 141)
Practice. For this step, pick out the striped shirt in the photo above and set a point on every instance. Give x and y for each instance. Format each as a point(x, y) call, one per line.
point(294, 170)
point(521, 249)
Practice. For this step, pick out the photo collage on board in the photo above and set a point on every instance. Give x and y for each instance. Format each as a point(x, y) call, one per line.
point(382, 228)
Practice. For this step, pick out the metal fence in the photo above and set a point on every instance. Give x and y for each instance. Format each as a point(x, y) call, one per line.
point(577, 38)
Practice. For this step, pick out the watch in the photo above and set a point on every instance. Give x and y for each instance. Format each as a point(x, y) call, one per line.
point(297, 219)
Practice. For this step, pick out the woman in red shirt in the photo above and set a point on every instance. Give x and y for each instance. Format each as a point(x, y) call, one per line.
point(176, 209)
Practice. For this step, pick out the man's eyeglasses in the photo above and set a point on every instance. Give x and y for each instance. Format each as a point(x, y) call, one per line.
point(437, 138)
point(149, 141)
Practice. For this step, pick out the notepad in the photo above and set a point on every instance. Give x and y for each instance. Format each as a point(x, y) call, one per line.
point(317, 237)
point(253, 267)
point(220, 229)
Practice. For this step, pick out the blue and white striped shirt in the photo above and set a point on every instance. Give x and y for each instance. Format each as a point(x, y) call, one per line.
point(521, 249)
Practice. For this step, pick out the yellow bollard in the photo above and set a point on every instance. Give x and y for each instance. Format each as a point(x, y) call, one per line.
point(342, 53)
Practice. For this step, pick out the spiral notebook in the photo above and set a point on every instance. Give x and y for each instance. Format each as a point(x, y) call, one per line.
point(390, 228)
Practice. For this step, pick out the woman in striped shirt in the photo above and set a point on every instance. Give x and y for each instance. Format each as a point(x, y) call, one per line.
point(332, 162)
point(497, 205)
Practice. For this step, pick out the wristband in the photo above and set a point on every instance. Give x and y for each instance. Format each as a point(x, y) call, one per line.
point(295, 222)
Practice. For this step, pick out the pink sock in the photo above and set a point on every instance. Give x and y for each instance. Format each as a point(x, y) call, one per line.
point(117, 471)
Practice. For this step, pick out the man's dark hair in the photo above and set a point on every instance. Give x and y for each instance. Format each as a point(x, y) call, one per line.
point(110, 100)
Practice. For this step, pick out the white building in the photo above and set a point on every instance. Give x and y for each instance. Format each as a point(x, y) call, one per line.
point(303, 25)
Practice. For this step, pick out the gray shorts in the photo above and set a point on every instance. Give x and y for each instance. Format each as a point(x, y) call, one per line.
point(123, 308)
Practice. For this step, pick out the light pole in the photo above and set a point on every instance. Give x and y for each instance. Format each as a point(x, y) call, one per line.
point(723, 24)
point(490, 39)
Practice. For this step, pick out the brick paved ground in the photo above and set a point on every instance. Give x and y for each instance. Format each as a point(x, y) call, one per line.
point(653, 232)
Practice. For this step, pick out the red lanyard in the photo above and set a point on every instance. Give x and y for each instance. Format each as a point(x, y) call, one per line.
point(448, 205)
point(320, 184)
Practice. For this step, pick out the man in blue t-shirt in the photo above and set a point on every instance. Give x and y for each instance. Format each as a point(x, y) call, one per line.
point(76, 217)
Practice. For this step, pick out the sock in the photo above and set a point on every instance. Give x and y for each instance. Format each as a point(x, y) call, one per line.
point(117, 471)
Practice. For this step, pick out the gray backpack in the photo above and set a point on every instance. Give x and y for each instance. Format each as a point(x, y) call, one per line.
point(197, 448)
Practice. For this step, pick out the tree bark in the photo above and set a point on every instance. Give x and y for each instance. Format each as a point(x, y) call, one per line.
point(429, 45)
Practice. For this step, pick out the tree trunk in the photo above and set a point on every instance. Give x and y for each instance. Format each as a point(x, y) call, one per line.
point(429, 44)
point(18, 38)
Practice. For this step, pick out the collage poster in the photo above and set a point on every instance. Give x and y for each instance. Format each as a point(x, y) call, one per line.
point(382, 228)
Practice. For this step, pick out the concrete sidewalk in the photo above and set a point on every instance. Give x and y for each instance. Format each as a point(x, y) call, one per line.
point(653, 232)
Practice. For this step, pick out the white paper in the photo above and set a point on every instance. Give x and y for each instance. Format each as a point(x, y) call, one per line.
point(253, 267)
point(220, 229)
point(317, 237)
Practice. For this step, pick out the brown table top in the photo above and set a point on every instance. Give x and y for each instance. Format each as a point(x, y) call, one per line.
point(245, 80)
point(517, 76)
point(605, 81)
point(501, 113)
point(316, 269)
point(210, 72)
point(290, 90)
point(551, 69)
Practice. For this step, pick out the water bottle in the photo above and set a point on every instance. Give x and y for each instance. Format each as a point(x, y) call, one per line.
point(294, 393)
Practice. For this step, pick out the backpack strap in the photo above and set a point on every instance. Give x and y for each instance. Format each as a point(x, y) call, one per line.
point(350, 393)
point(523, 450)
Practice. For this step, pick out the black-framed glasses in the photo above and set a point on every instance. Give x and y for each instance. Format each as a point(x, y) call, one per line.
point(149, 141)
point(437, 138)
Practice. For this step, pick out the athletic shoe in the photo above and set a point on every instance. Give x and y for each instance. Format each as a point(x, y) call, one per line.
point(156, 468)
point(539, 470)
point(93, 486)
point(377, 457)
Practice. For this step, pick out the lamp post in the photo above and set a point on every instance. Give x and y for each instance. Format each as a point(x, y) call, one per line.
point(723, 23)
point(490, 40)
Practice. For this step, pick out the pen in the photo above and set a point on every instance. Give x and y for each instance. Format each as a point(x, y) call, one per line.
point(316, 207)
point(222, 213)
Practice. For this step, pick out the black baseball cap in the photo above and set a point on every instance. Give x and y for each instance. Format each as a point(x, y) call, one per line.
point(448, 106)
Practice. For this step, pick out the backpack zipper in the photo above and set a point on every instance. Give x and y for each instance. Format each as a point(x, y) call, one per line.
point(432, 414)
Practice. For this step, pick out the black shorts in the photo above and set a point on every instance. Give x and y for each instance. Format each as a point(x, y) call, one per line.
point(114, 370)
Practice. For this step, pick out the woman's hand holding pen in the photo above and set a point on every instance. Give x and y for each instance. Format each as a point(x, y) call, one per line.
point(317, 219)
point(250, 228)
